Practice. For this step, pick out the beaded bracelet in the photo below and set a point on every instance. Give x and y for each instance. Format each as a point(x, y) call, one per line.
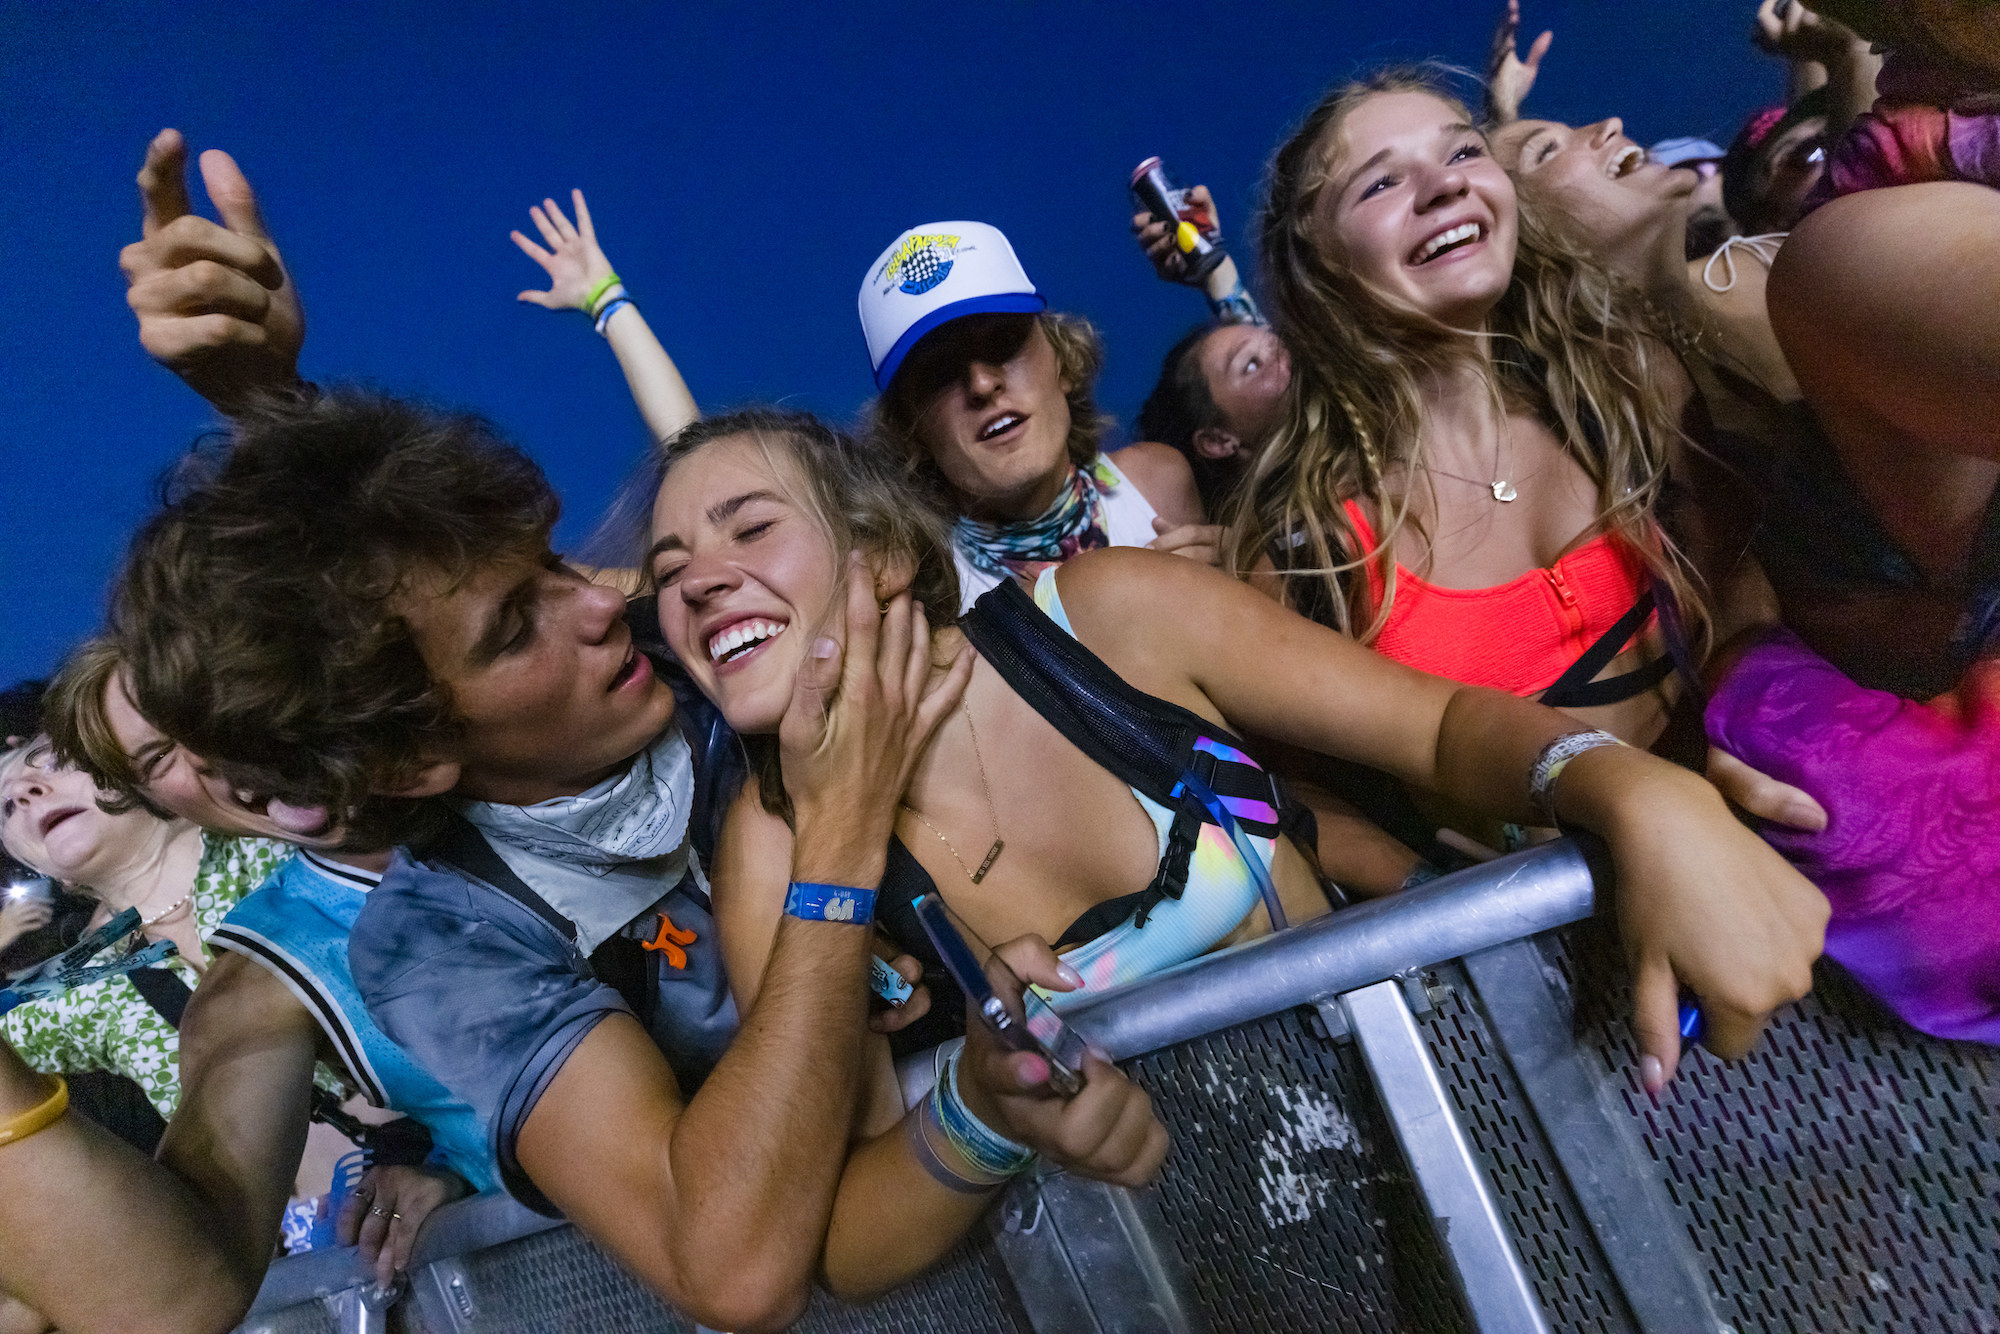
point(39, 1118)
point(1555, 758)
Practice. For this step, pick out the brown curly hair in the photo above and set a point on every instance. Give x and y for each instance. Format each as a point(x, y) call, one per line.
point(80, 732)
point(253, 615)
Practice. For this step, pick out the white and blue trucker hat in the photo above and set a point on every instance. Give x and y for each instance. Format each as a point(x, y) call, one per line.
point(931, 275)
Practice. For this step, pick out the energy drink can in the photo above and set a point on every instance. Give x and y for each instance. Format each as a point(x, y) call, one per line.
point(1194, 230)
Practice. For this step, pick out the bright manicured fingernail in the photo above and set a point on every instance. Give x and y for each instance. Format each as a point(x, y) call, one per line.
point(1652, 1075)
point(824, 648)
point(1069, 975)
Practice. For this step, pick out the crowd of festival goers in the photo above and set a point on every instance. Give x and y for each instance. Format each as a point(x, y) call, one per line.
point(1547, 482)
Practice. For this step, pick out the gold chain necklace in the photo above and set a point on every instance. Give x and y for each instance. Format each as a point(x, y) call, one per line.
point(986, 786)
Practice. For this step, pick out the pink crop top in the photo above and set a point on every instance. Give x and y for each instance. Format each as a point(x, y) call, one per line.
point(1518, 636)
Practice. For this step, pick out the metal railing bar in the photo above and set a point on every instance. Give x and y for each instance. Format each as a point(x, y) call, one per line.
point(1506, 899)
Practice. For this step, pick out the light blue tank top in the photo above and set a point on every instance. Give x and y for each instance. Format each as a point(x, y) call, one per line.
point(296, 924)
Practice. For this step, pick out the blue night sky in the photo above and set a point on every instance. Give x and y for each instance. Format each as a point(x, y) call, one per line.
point(744, 164)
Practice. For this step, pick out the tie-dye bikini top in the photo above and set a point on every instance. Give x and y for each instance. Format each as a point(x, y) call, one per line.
point(1206, 885)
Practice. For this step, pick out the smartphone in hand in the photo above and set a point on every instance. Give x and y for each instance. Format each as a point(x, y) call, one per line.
point(1038, 1029)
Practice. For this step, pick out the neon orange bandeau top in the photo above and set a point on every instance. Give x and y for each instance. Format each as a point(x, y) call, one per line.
point(1518, 636)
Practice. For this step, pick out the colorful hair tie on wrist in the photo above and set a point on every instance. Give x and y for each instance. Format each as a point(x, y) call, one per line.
point(594, 297)
point(38, 1118)
point(812, 902)
point(1550, 763)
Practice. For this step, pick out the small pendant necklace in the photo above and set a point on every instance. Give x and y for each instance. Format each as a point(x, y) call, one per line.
point(1501, 487)
point(992, 853)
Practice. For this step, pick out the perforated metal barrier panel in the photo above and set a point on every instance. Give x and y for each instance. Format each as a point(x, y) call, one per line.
point(1844, 1177)
point(558, 1281)
point(1284, 1195)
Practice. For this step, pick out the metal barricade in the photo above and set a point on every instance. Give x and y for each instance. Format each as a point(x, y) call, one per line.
point(1416, 1114)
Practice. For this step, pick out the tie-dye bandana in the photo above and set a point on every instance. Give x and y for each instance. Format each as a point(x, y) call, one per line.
point(1073, 524)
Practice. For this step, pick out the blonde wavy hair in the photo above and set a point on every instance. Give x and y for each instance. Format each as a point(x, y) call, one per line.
point(1568, 342)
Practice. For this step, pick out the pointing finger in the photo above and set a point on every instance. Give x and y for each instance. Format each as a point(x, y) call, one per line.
point(163, 192)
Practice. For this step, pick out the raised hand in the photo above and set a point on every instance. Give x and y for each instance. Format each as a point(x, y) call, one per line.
point(215, 304)
point(20, 916)
point(1107, 1130)
point(574, 261)
point(1509, 78)
point(1156, 238)
point(1788, 30)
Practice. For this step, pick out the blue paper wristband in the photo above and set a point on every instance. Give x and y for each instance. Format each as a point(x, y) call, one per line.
point(829, 903)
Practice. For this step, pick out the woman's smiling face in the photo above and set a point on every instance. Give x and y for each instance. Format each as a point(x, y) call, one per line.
point(747, 575)
point(1415, 207)
point(1617, 197)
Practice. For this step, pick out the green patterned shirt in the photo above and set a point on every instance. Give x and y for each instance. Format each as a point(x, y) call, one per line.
point(110, 1026)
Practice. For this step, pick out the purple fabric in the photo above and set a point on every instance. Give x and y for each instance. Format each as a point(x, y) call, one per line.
point(1910, 857)
point(1975, 147)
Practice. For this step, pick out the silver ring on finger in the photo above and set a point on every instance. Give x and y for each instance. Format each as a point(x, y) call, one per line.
point(380, 1212)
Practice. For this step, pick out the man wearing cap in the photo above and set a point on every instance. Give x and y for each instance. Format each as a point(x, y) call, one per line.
point(988, 395)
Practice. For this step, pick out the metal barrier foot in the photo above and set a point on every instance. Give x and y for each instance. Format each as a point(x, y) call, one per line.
point(1082, 1259)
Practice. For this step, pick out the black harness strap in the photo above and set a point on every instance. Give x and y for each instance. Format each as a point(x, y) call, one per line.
point(1146, 741)
point(167, 994)
point(1575, 688)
